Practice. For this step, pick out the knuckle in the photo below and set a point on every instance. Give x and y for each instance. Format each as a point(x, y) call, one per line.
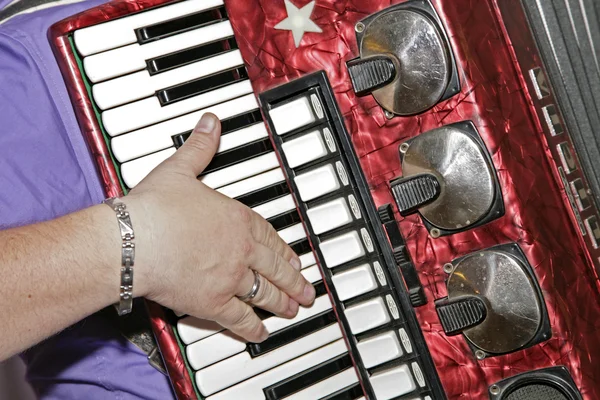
point(244, 215)
point(247, 248)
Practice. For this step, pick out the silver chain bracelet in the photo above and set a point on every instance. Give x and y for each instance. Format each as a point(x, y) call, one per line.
point(127, 255)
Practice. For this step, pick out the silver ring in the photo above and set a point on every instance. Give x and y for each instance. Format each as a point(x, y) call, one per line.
point(252, 293)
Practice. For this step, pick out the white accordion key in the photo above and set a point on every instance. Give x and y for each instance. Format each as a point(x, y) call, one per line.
point(317, 182)
point(327, 386)
point(354, 282)
point(159, 137)
point(240, 171)
point(292, 233)
point(149, 111)
point(139, 85)
point(328, 216)
point(132, 58)
point(275, 207)
point(392, 383)
point(192, 329)
point(341, 249)
point(133, 172)
point(252, 389)
point(121, 31)
point(379, 349)
point(292, 115)
point(367, 315)
point(253, 183)
point(240, 367)
point(304, 149)
point(225, 344)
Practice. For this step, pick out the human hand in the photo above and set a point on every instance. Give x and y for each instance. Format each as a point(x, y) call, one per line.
point(196, 249)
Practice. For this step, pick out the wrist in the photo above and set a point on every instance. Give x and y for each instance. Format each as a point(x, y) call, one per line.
point(128, 266)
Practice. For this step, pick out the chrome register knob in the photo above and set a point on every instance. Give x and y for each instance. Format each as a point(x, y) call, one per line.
point(507, 313)
point(448, 178)
point(405, 61)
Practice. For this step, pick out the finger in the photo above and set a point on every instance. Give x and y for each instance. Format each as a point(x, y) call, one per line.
point(268, 296)
point(279, 272)
point(241, 319)
point(201, 146)
point(265, 234)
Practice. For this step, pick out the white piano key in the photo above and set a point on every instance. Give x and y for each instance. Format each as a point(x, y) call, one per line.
point(133, 172)
point(292, 115)
point(307, 259)
point(320, 305)
point(367, 315)
point(392, 383)
point(330, 215)
point(239, 171)
point(341, 249)
point(149, 111)
point(378, 349)
point(214, 348)
point(192, 329)
point(327, 386)
point(354, 282)
point(292, 233)
point(317, 182)
point(132, 58)
point(225, 344)
point(312, 274)
point(187, 122)
point(121, 31)
point(158, 137)
point(133, 145)
point(304, 149)
point(136, 86)
point(242, 366)
point(242, 136)
point(275, 207)
point(252, 389)
point(253, 183)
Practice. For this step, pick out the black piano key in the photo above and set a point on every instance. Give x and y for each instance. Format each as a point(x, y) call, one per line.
point(227, 125)
point(308, 378)
point(187, 56)
point(238, 155)
point(240, 121)
point(300, 247)
point(292, 333)
point(179, 25)
point(352, 393)
point(264, 195)
point(283, 221)
point(198, 86)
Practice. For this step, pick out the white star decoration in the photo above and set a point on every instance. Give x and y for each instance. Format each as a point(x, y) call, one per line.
point(298, 21)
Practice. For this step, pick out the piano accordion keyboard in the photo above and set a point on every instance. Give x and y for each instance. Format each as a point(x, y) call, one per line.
point(152, 76)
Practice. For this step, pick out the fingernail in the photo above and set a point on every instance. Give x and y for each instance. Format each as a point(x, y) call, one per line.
point(206, 124)
point(295, 261)
point(309, 292)
point(293, 307)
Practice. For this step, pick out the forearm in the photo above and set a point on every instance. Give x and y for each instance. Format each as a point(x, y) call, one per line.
point(56, 273)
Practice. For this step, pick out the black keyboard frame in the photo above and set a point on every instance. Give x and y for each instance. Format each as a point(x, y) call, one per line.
point(318, 82)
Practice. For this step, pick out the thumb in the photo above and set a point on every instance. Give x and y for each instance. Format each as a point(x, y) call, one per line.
point(201, 146)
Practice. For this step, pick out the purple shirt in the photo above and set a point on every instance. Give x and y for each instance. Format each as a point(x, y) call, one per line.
point(45, 172)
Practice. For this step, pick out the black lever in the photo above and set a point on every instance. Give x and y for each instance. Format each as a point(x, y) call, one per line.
point(369, 74)
point(460, 314)
point(414, 192)
point(413, 284)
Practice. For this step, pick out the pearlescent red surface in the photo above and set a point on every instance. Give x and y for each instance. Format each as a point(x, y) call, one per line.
point(494, 96)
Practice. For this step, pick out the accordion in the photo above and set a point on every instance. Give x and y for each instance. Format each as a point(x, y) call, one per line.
point(433, 162)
